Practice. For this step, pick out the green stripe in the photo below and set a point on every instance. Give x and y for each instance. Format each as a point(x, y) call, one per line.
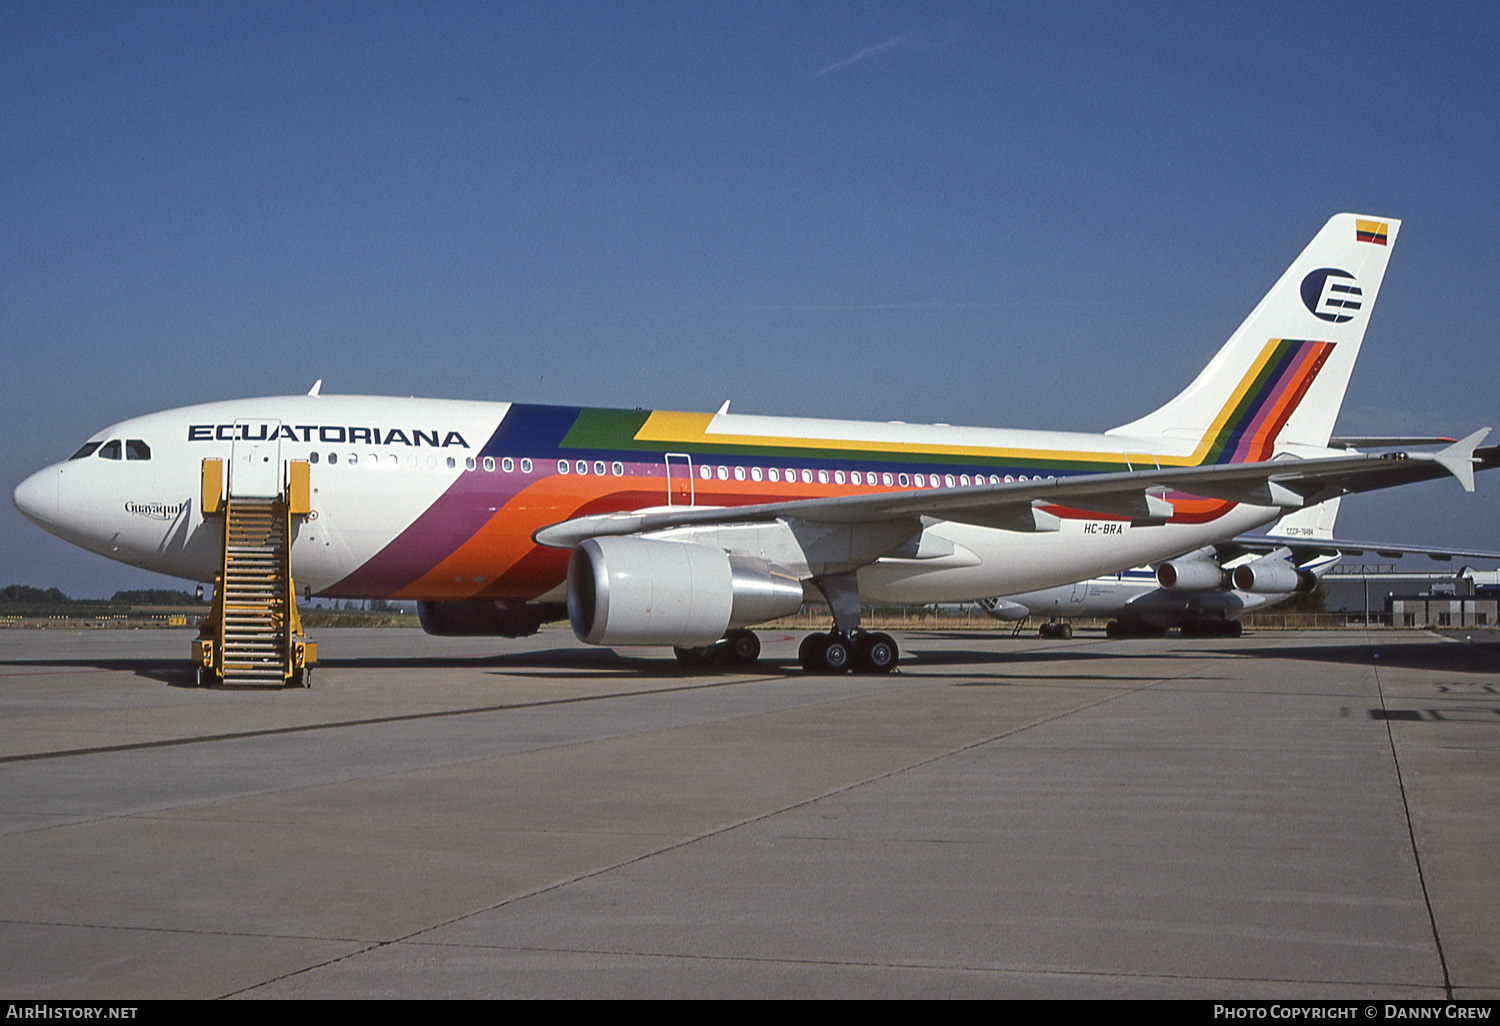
point(616, 430)
point(1250, 402)
point(606, 429)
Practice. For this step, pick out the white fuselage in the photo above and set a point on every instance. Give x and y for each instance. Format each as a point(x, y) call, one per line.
point(438, 499)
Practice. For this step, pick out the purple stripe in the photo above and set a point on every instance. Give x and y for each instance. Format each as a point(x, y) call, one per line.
point(1263, 410)
point(456, 516)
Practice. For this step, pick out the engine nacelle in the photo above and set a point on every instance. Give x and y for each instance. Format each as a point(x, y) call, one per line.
point(643, 591)
point(1191, 575)
point(1273, 575)
point(475, 617)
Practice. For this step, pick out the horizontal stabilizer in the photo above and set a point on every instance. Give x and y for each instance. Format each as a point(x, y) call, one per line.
point(1458, 458)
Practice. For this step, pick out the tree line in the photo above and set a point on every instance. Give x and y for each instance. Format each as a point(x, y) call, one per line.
point(21, 598)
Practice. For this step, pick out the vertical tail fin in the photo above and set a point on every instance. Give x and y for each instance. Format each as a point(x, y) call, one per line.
point(1314, 522)
point(1283, 373)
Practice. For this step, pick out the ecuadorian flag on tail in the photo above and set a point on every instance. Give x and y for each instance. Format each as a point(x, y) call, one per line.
point(1371, 231)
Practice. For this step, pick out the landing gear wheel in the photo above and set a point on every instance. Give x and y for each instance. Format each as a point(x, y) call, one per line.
point(810, 652)
point(698, 655)
point(836, 654)
point(739, 648)
point(875, 653)
point(824, 653)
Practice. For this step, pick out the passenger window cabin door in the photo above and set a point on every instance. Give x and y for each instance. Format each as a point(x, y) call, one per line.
point(679, 479)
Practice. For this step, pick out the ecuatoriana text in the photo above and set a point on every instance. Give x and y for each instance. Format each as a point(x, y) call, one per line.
point(331, 433)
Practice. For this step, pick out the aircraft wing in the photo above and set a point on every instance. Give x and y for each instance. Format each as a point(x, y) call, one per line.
point(1289, 482)
point(1305, 548)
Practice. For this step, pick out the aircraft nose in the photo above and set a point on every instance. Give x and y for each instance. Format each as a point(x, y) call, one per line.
point(36, 497)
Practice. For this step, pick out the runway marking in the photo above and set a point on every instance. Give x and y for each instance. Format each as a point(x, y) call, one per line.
point(1411, 831)
point(54, 673)
point(305, 728)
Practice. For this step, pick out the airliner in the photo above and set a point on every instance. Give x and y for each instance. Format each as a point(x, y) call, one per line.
point(650, 527)
point(1205, 592)
point(1196, 591)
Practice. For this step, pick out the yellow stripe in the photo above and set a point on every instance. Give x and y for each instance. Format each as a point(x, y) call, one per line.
point(685, 429)
point(1234, 401)
point(665, 426)
point(691, 428)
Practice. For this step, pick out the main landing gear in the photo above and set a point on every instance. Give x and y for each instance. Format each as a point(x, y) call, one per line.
point(1212, 629)
point(846, 647)
point(1133, 629)
point(861, 651)
point(737, 648)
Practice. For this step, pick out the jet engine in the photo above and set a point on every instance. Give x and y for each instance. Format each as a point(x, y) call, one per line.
point(1191, 575)
point(1271, 575)
point(471, 617)
point(643, 591)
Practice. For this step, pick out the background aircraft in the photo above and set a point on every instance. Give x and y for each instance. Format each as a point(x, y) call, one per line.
point(1207, 591)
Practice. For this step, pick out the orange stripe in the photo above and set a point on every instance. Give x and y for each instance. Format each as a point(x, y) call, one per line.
point(1287, 401)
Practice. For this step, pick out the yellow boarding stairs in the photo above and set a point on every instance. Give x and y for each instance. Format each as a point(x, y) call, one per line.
point(253, 634)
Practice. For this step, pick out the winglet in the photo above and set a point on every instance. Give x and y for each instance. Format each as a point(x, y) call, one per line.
point(317, 385)
point(1458, 458)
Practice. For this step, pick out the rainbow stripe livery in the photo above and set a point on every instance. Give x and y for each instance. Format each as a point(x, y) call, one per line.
point(1269, 393)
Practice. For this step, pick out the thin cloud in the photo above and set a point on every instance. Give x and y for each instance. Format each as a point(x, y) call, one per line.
point(905, 41)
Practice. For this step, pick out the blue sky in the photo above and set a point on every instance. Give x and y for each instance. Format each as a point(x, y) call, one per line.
point(1022, 215)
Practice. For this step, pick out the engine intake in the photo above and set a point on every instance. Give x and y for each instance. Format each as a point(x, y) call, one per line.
point(644, 591)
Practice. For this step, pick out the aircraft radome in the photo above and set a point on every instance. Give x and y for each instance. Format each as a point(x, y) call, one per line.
point(684, 529)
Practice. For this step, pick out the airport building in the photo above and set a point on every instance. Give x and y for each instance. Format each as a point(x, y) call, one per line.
point(1379, 593)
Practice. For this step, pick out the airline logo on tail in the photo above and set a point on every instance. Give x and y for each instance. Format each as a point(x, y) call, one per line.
point(1332, 295)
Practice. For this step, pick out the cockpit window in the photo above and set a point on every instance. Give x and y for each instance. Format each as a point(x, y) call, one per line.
point(135, 449)
point(87, 449)
point(111, 449)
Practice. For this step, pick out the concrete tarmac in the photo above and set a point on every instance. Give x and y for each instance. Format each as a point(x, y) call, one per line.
point(1284, 815)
